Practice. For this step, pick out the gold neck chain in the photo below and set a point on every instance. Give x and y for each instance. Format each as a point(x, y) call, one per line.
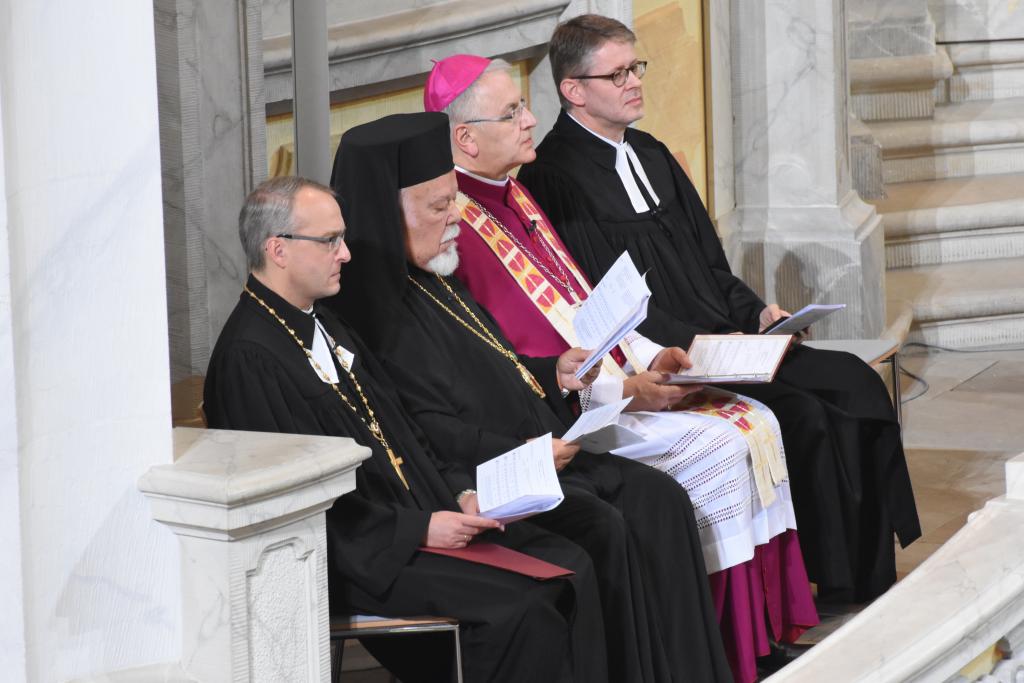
point(486, 336)
point(371, 424)
point(564, 280)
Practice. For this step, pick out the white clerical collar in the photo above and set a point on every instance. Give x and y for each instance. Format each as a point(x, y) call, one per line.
point(624, 157)
point(597, 135)
point(497, 183)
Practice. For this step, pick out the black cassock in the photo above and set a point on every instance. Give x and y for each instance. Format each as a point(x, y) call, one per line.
point(851, 489)
point(635, 522)
point(513, 628)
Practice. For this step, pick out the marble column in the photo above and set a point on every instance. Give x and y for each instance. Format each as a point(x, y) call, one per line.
point(12, 604)
point(89, 581)
point(213, 152)
point(248, 509)
point(797, 232)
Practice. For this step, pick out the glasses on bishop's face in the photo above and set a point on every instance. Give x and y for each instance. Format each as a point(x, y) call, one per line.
point(333, 242)
point(515, 116)
point(620, 76)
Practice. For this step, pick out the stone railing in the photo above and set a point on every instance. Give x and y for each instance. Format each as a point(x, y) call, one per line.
point(248, 509)
point(958, 617)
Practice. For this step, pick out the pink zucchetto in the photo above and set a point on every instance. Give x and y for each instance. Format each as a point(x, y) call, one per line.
point(449, 78)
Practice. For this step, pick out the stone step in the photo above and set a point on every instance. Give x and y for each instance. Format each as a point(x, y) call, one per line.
point(985, 71)
point(963, 305)
point(953, 220)
point(965, 139)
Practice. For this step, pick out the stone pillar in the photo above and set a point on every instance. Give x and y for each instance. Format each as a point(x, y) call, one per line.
point(89, 582)
point(798, 234)
point(12, 604)
point(314, 157)
point(248, 509)
point(213, 152)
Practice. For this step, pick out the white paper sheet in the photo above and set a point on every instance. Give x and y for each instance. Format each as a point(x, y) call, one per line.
point(609, 438)
point(520, 483)
point(804, 318)
point(593, 420)
point(732, 358)
point(614, 309)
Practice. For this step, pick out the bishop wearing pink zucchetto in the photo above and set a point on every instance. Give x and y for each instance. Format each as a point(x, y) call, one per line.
point(723, 448)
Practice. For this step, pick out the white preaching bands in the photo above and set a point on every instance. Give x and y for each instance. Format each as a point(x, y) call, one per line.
point(622, 150)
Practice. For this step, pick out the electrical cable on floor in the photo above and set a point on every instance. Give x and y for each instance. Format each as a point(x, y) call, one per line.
point(976, 349)
point(917, 378)
point(920, 380)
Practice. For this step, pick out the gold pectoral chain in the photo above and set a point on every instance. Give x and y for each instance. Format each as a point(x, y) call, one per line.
point(372, 424)
point(486, 336)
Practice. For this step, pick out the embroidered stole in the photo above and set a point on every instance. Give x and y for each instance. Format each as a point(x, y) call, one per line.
point(546, 298)
point(769, 468)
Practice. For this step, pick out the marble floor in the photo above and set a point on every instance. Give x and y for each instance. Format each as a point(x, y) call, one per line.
point(960, 424)
point(962, 420)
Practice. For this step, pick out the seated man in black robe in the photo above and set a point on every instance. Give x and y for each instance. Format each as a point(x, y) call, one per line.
point(609, 188)
point(284, 364)
point(475, 399)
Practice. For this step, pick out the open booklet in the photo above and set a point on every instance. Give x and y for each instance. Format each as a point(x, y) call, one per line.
point(802, 319)
point(520, 483)
point(616, 306)
point(596, 430)
point(733, 358)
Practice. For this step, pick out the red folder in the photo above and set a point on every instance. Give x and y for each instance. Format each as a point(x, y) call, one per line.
point(501, 557)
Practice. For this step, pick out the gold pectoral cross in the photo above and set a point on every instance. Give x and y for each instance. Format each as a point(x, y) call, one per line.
point(396, 462)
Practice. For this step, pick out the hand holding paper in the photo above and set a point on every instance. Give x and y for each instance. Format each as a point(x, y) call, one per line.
point(728, 358)
point(616, 306)
point(802, 319)
point(597, 432)
point(519, 483)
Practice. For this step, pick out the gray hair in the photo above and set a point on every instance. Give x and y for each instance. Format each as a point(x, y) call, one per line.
point(466, 106)
point(268, 211)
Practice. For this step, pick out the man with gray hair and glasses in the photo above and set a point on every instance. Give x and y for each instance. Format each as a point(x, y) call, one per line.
point(609, 188)
point(284, 364)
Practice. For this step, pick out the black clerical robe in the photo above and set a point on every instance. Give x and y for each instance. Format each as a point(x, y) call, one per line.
point(635, 522)
point(851, 489)
point(512, 628)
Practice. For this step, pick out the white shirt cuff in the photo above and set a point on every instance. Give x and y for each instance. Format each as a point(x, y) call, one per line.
point(644, 349)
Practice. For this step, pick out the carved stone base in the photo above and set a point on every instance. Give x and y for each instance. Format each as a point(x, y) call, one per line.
point(797, 256)
point(248, 509)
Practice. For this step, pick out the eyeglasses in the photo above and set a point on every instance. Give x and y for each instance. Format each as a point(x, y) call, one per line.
point(332, 241)
point(515, 116)
point(619, 77)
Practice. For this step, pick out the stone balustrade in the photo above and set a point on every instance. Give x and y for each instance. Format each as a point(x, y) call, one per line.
point(948, 613)
point(248, 509)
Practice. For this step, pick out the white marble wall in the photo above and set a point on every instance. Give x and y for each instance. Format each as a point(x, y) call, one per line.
point(977, 20)
point(213, 152)
point(12, 632)
point(83, 327)
point(798, 233)
point(882, 28)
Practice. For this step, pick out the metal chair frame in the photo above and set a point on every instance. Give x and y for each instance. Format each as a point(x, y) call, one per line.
point(345, 627)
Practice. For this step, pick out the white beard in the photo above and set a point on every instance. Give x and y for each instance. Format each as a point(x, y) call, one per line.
point(447, 261)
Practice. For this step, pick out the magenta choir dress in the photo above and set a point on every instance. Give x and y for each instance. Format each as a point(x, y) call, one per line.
point(751, 551)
